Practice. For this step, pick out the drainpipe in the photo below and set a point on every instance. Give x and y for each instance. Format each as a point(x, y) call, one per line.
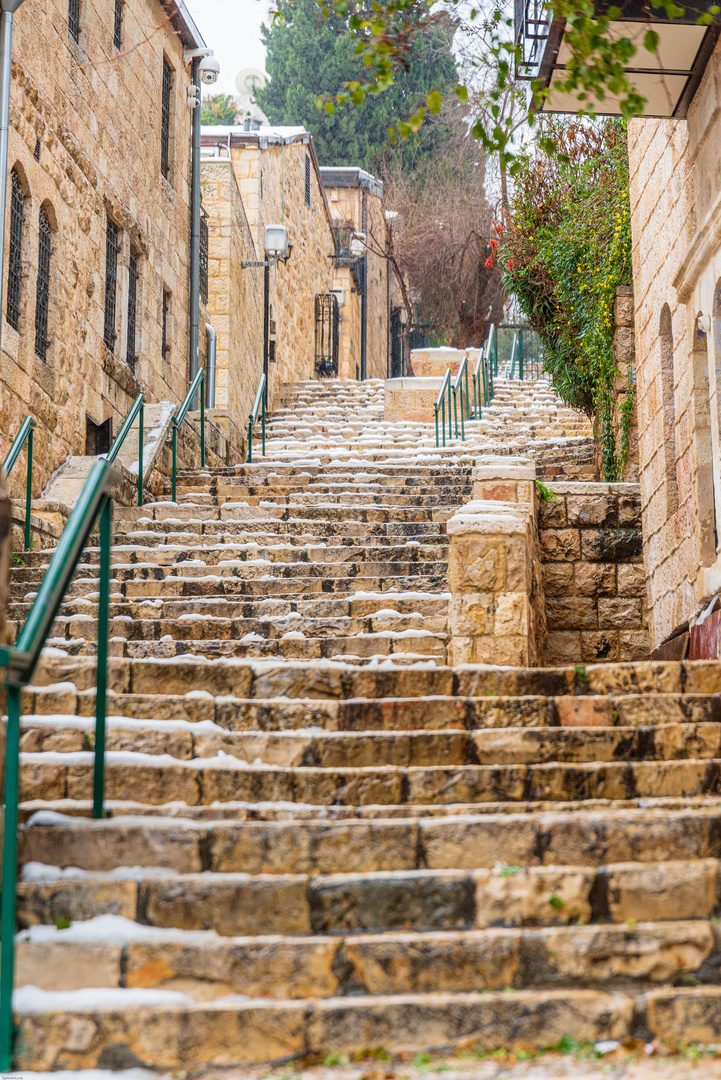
point(266, 324)
point(364, 291)
point(8, 9)
point(212, 340)
point(195, 228)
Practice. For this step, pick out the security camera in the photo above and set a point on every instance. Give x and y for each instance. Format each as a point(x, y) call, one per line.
point(209, 70)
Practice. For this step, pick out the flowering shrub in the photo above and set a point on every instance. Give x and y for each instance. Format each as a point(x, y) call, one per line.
point(567, 246)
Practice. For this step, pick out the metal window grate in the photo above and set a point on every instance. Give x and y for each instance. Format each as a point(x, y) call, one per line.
point(307, 179)
point(164, 344)
point(42, 296)
point(203, 255)
point(112, 247)
point(131, 355)
point(15, 270)
point(165, 119)
point(74, 19)
point(36, 151)
point(118, 25)
point(327, 317)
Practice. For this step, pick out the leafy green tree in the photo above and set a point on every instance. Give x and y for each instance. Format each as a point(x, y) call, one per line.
point(311, 57)
point(219, 109)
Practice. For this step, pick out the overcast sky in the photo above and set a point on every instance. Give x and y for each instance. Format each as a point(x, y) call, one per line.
point(231, 29)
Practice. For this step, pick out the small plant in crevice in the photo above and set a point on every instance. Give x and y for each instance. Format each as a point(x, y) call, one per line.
point(545, 494)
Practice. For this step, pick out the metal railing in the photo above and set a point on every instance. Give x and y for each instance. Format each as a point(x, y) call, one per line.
point(484, 374)
point(258, 407)
point(197, 384)
point(458, 389)
point(20, 662)
point(440, 406)
point(24, 435)
point(138, 407)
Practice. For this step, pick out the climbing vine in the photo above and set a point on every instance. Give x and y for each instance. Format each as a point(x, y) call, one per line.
point(565, 247)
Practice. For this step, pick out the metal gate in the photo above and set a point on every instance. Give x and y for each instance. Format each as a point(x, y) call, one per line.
point(326, 335)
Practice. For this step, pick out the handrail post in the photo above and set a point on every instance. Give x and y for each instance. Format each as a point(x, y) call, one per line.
point(141, 439)
point(9, 874)
point(450, 416)
point(468, 400)
point(250, 441)
point(443, 418)
point(455, 412)
point(202, 423)
point(262, 422)
point(29, 490)
point(106, 535)
point(175, 452)
point(435, 409)
point(463, 434)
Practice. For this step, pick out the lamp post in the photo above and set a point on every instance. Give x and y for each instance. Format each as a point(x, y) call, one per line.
point(8, 9)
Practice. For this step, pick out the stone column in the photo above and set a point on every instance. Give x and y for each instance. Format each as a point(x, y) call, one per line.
point(496, 608)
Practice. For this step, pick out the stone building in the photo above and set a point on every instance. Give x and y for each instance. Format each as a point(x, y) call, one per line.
point(316, 304)
point(356, 203)
point(97, 243)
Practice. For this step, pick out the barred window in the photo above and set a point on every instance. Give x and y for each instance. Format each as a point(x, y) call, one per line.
point(36, 151)
point(112, 247)
point(118, 26)
point(17, 215)
point(307, 179)
point(42, 297)
point(165, 119)
point(131, 355)
point(74, 19)
point(164, 344)
point(203, 256)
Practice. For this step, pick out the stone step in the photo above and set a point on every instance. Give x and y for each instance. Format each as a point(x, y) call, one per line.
point(110, 951)
point(157, 780)
point(238, 904)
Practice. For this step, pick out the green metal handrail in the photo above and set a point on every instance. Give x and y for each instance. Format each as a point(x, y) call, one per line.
point(137, 407)
point(19, 662)
point(198, 383)
point(258, 406)
point(24, 435)
point(440, 404)
point(458, 386)
point(514, 349)
point(478, 383)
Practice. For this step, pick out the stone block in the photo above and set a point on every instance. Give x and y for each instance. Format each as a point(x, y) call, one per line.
point(571, 613)
point(611, 545)
point(678, 890)
point(552, 513)
point(634, 645)
point(558, 578)
point(619, 613)
point(595, 579)
point(521, 896)
point(472, 614)
point(586, 510)
point(562, 647)
point(584, 711)
point(560, 545)
point(631, 580)
point(600, 647)
point(423, 900)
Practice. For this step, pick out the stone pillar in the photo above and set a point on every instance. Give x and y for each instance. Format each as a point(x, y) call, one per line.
point(624, 355)
point(496, 609)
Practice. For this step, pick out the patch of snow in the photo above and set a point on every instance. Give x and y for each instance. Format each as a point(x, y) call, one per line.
point(31, 999)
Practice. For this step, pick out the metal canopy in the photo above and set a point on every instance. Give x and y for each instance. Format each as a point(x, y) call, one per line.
point(668, 80)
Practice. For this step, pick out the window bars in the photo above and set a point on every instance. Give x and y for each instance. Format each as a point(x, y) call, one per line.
point(164, 345)
point(307, 179)
point(17, 213)
point(74, 19)
point(42, 296)
point(165, 119)
point(112, 247)
point(203, 255)
point(326, 335)
point(118, 25)
point(130, 354)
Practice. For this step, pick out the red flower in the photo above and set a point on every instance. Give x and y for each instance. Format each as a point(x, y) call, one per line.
point(509, 264)
point(489, 262)
point(493, 243)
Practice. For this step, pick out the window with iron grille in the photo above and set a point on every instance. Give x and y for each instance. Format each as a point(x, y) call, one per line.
point(42, 296)
point(203, 256)
point(118, 25)
point(15, 269)
point(327, 317)
point(164, 344)
point(131, 355)
point(307, 179)
point(112, 247)
point(36, 151)
point(165, 119)
point(74, 19)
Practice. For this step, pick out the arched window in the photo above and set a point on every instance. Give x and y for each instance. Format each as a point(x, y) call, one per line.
point(669, 410)
point(15, 269)
point(42, 296)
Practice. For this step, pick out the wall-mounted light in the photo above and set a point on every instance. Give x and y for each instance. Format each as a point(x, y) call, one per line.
point(357, 245)
point(275, 241)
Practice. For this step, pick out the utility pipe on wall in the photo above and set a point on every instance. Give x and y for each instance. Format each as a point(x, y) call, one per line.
point(8, 9)
point(195, 227)
point(212, 340)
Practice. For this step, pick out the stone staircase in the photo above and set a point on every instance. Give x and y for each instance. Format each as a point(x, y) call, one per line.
point(320, 838)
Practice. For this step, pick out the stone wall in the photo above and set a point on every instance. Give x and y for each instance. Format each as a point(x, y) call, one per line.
point(675, 191)
point(411, 399)
point(624, 355)
point(85, 143)
point(593, 576)
point(235, 299)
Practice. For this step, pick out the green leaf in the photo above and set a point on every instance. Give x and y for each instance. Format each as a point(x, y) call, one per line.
point(434, 100)
point(650, 41)
point(461, 93)
point(556, 902)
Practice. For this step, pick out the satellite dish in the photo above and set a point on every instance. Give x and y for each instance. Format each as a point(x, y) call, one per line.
point(249, 80)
